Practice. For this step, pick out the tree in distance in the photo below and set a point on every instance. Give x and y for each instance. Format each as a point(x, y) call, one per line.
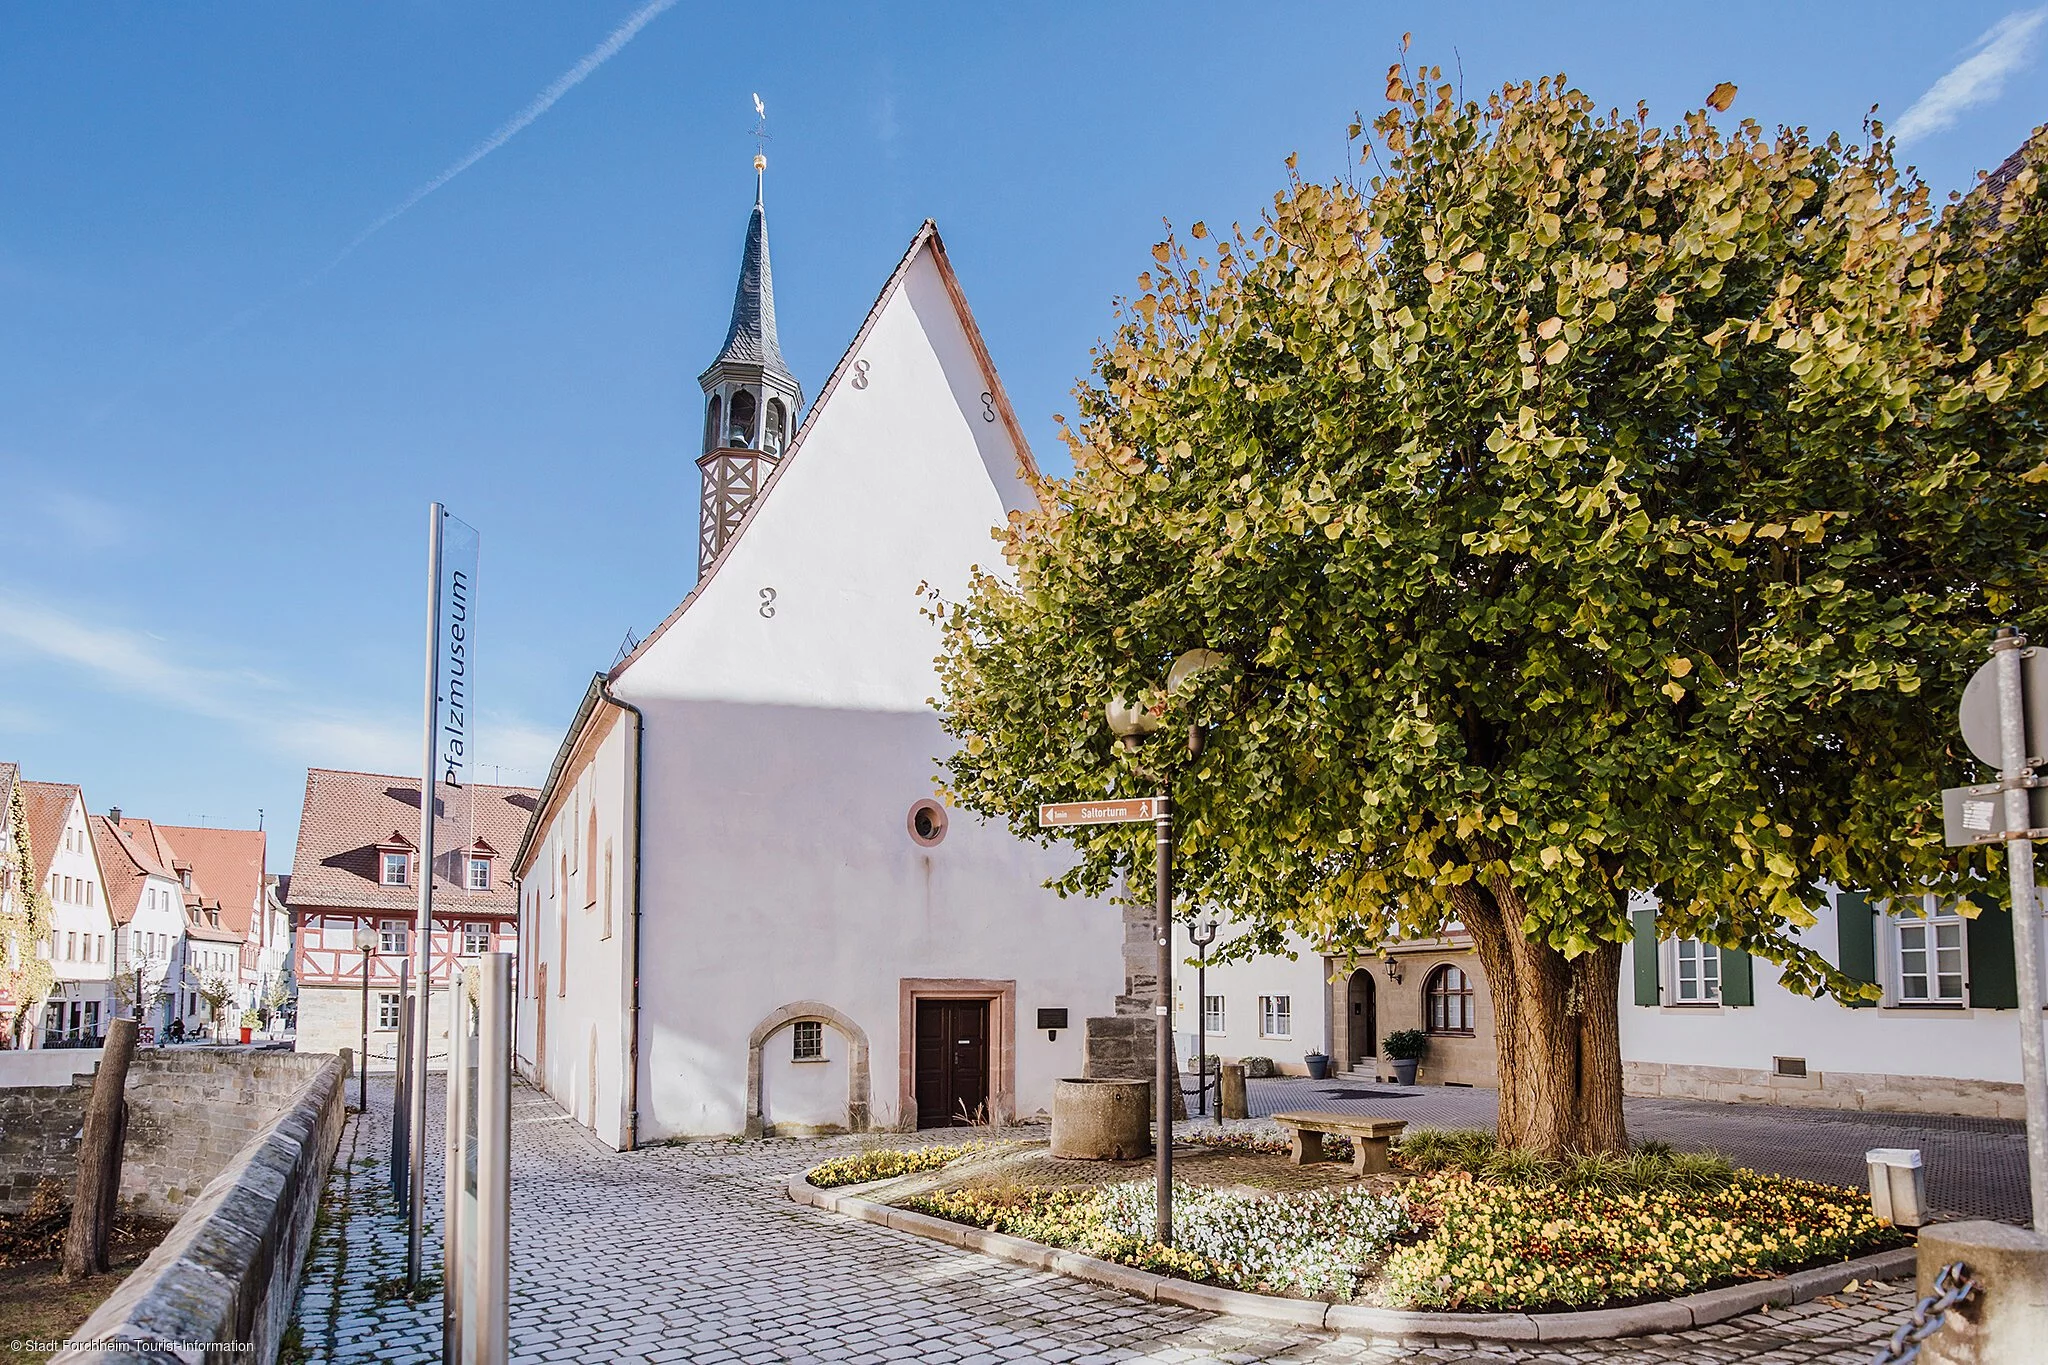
point(1588, 510)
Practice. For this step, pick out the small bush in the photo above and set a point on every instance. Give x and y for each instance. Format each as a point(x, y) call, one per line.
point(1405, 1045)
point(886, 1163)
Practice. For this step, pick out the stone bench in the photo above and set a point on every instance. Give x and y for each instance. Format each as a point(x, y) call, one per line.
point(1369, 1138)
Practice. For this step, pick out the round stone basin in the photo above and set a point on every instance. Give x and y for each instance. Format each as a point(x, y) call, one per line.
point(1101, 1120)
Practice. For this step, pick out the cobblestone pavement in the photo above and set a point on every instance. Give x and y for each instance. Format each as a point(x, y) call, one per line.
point(693, 1253)
point(1976, 1168)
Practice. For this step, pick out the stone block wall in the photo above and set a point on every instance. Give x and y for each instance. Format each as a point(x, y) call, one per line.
point(1826, 1090)
point(228, 1273)
point(190, 1110)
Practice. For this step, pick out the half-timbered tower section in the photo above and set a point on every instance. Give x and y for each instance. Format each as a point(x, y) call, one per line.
point(357, 868)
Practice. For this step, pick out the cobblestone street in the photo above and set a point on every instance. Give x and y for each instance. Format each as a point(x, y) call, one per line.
point(693, 1253)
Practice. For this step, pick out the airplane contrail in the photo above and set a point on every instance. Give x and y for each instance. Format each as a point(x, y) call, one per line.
point(509, 129)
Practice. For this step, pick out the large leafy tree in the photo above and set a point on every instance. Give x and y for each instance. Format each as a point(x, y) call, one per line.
point(1587, 510)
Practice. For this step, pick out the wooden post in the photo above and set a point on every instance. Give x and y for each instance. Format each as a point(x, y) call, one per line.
point(99, 1158)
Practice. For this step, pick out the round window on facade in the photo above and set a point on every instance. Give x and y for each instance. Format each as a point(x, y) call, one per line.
point(927, 822)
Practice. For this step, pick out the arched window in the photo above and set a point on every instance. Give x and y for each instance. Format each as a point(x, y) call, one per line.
point(1448, 999)
point(740, 428)
point(712, 426)
point(776, 434)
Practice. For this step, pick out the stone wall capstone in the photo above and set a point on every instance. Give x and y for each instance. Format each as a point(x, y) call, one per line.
point(228, 1273)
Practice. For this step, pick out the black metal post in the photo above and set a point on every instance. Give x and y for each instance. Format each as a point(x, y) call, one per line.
point(1165, 1081)
point(363, 1058)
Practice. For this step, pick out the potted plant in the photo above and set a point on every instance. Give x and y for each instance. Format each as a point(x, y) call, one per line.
point(1318, 1065)
point(1404, 1048)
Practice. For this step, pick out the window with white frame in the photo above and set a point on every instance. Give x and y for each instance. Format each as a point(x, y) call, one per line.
point(476, 938)
point(1696, 972)
point(387, 1010)
point(1276, 1016)
point(807, 1041)
point(1213, 1015)
point(1928, 958)
point(479, 873)
point(391, 936)
point(394, 869)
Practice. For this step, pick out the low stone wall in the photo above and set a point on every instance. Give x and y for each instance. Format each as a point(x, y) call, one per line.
point(190, 1110)
point(228, 1273)
point(1826, 1090)
point(45, 1065)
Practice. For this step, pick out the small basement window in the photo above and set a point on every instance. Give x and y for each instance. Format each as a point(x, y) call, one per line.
point(1789, 1066)
point(807, 1041)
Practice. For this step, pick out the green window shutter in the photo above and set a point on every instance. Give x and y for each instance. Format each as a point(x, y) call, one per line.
point(1994, 981)
point(1645, 956)
point(1738, 980)
point(1856, 937)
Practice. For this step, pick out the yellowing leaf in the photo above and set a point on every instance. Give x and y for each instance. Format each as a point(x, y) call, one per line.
point(1160, 253)
point(1556, 351)
point(1199, 230)
point(1721, 96)
point(1550, 327)
point(1679, 667)
point(1673, 691)
point(1475, 261)
point(1552, 857)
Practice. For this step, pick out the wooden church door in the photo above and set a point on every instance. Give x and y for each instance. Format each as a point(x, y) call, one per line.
point(952, 1061)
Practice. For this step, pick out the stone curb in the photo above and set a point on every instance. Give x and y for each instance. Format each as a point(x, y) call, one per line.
point(1350, 1319)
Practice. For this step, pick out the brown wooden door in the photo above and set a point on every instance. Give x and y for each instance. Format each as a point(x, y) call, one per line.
point(952, 1061)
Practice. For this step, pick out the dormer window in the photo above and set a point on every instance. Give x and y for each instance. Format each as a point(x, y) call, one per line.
point(185, 876)
point(396, 866)
point(479, 873)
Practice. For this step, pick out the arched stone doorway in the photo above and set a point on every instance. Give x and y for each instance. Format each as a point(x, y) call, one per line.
point(857, 1085)
point(1361, 1018)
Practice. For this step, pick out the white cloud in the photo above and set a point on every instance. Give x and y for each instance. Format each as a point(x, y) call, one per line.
point(1978, 79)
point(267, 710)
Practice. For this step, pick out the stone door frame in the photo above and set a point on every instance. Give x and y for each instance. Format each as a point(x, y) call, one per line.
point(857, 1083)
point(1002, 1040)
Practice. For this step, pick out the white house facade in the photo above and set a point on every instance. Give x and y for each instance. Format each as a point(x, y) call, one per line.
point(81, 935)
point(742, 910)
point(146, 901)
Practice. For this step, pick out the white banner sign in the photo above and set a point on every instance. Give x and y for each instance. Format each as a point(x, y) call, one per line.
point(454, 644)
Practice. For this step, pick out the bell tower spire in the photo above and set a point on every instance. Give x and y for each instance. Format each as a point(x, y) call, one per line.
point(751, 400)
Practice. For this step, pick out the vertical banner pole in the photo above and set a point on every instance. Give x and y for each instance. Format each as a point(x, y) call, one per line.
point(423, 928)
point(493, 1262)
point(1164, 1082)
point(2017, 773)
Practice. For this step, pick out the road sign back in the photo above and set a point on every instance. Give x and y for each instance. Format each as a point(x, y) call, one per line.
point(1065, 813)
point(1979, 712)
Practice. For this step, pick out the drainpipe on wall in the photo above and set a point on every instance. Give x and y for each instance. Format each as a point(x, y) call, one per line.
point(631, 1136)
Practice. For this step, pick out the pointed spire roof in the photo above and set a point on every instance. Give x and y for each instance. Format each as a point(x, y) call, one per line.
point(750, 339)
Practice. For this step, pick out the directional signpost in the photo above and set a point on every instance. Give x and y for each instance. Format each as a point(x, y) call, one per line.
point(2005, 723)
point(1155, 809)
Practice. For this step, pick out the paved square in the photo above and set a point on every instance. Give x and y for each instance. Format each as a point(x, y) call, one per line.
point(693, 1253)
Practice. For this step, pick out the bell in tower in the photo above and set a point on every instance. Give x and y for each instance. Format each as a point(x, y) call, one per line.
point(751, 400)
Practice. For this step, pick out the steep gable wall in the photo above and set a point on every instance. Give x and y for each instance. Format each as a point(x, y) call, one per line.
point(903, 473)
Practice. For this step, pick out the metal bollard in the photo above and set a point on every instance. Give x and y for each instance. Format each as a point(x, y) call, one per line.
point(1898, 1185)
point(1230, 1102)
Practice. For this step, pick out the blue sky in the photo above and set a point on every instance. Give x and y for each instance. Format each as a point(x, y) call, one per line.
point(217, 442)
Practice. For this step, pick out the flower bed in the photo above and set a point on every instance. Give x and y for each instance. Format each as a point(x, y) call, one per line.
point(885, 1163)
point(1488, 1230)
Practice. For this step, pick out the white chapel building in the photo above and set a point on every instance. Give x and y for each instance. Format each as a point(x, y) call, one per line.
point(741, 909)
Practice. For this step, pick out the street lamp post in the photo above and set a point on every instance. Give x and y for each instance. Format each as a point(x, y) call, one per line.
point(366, 944)
point(1203, 935)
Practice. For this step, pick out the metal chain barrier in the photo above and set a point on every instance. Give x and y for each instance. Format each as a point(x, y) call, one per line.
point(1951, 1287)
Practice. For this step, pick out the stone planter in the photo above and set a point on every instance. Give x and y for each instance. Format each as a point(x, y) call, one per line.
point(1404, 1069)
point(1101, 1120)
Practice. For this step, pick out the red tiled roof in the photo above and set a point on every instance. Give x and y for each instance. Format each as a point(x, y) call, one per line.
point(48, 805)
point(227, 869)
point(348, 815)
point(125, 865)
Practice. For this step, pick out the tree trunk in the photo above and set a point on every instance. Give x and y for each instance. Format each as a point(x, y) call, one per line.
point(99, 1157)
point(1557, 1030)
